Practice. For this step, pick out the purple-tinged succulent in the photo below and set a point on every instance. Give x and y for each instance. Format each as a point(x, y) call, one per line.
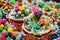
point(38, 14)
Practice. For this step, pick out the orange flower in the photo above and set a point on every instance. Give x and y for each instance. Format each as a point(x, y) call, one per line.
point(41, 21)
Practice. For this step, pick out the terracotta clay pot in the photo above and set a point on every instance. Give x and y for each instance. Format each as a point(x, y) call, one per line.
point(35, 37)
point(28, 35)
point(19, 0)
point(30, 1)
point(16, 22)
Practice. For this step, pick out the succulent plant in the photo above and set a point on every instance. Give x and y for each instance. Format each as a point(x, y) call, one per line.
point(55, 26)
point(8, 38)
point(17, 14)
point(47, 7)
point(11, 2)
point(25, 2)
point(27, 11)
point(6, 10)
point(23, 9)
point(38, 14)
point(44, 5)
point(35, 27)
point(27, 19)
point(40, 4)
point(0, 14)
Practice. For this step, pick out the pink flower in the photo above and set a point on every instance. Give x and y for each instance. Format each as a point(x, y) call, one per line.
point(4, 20)
point(34, 9)
point(16, 6)
point(54, 18)
point(12, 26)
point(45, 12)
point(58, 38)
point(0, 21)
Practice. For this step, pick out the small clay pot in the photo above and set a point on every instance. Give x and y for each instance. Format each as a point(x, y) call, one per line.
point(16, 22)
point(29, 36)
point(19, 0)
point(30, 1)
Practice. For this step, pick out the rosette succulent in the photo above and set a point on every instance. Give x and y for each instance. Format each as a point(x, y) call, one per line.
point(38, 14)
point(26, 10)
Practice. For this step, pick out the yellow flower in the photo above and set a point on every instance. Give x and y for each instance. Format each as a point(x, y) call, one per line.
point(6, 7)
point(20, 7)
point(10, 30)
point(56, 10)
point(31, 15)
point(2, 0)
point(4, 4)
point(1, 26)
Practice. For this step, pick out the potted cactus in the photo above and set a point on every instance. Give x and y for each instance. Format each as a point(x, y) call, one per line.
point(17, 14)
point(39, 23)
point(38, 27)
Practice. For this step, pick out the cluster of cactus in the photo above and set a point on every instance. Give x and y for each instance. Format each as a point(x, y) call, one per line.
point(44, 5)
point(26, 10)
point(35, 27)
point(17, 14)
point(11, 2)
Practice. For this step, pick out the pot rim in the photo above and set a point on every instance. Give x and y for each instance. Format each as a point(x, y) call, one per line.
point(42, 32)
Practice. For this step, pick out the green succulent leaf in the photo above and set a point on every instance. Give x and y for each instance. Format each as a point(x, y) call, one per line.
point(17, 16)
point(34, 26)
